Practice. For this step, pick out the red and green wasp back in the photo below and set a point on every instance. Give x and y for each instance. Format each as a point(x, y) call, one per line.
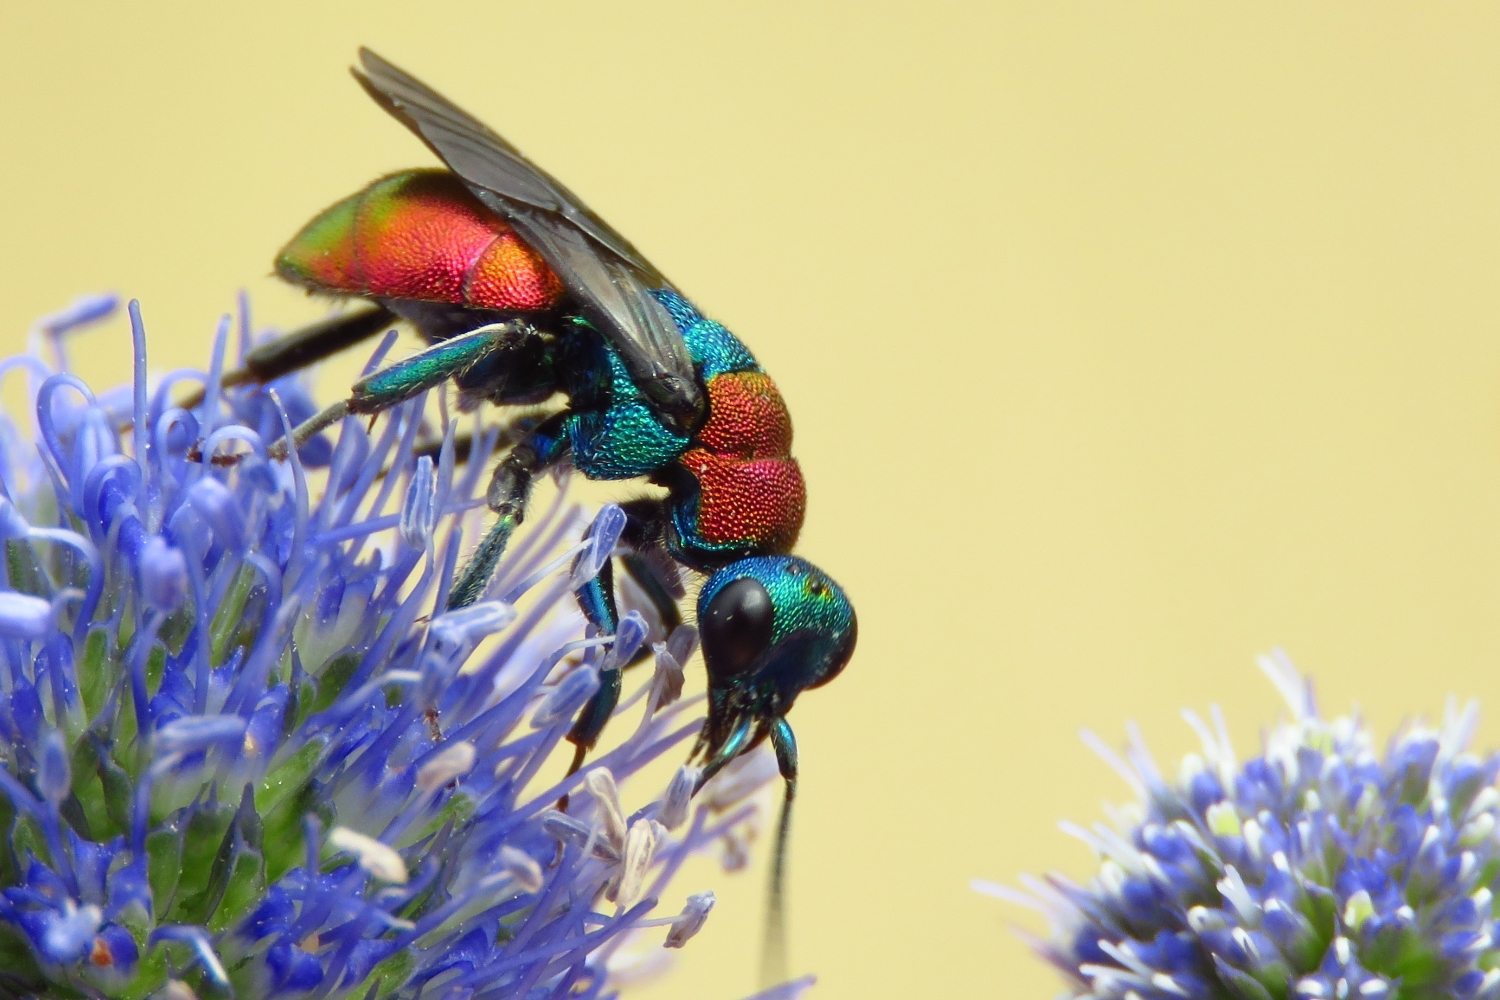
point(420, 236)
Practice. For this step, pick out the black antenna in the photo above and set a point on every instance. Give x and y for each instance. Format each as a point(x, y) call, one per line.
point(773, 948)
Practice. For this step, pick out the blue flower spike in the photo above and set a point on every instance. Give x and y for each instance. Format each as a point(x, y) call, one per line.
point(244, 750)
point(1318, 870)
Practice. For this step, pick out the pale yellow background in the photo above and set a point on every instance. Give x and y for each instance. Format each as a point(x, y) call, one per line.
point(1123, 340)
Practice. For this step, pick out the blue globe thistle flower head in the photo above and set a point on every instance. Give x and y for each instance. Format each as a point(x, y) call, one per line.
point(245, 752)
point(1319, 869)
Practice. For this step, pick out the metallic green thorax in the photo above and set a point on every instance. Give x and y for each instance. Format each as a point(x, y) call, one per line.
point(616, 433)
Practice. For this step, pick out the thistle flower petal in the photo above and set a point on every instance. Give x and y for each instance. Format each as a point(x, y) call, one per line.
point(23, 616)
point(164, 575)
point(53, 774)
point(567, 698)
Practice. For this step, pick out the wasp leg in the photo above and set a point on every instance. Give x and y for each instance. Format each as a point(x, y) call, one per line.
point(303, 347)
point(647, 575)
point(652, 570)
point(507, 496)
point(650, 566)
point(379, 391)
point(597, 601)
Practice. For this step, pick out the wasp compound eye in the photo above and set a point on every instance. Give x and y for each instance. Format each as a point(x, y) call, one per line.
point(736, 627)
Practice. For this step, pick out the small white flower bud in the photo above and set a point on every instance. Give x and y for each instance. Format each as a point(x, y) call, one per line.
point(419, 508)
point(674, 806)
point(691, 920)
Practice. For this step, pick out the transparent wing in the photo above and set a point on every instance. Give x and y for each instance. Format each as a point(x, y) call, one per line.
point(602, 270)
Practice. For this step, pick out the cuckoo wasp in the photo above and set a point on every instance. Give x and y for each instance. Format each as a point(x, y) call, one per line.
point(524, 294)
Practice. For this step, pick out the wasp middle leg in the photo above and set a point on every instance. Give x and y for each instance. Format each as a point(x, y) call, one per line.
point(508, 494)
point(652, 571)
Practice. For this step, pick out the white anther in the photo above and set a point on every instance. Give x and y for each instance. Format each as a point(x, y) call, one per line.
point(640, 851)
point(453, 762)
point(522, 867)
point(690, 920)
point(380, 860)
point(666, 683)
point(601, 785)
point(674, 806)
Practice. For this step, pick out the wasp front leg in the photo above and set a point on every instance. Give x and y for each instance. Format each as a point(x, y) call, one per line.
point(379, 391)
point(597, 600)
point(508, 494)
point(650, 564)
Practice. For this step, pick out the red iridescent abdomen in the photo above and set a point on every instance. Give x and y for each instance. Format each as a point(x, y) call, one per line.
point(420, 235)
point(751, 493)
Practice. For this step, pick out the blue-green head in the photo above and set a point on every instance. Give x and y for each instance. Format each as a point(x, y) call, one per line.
point(772, 627)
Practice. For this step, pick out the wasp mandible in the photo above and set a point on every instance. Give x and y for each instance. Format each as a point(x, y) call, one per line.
point(524, 293)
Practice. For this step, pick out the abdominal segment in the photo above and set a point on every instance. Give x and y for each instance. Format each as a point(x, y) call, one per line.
point(420, 235)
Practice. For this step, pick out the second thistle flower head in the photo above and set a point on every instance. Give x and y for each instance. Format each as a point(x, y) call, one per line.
point(1319, 869)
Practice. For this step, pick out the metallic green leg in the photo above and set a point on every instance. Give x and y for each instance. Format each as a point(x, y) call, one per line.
point(509, 491)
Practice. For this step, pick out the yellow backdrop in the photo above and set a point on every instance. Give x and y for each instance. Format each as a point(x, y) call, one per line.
point(1123, 341)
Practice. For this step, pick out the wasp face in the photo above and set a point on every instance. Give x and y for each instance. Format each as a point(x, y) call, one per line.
point(772, 626)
